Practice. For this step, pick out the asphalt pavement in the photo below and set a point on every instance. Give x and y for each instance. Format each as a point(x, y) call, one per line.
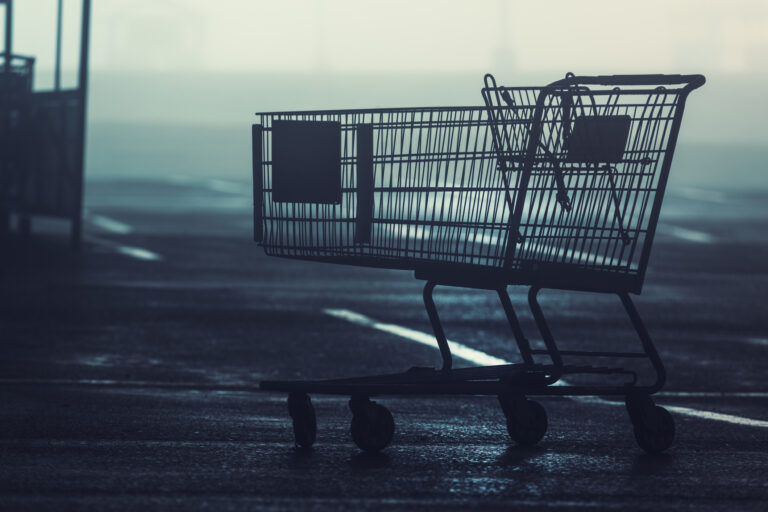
point(129, 372)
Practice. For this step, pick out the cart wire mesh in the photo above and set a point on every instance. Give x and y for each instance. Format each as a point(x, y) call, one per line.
point(437, 194)
point(582, 208)
point(570, 175)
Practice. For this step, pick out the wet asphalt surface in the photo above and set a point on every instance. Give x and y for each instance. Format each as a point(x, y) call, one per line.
point(131, 383)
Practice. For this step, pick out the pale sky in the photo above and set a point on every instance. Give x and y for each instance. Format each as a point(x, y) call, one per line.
point(407, 35)
point(168, 61)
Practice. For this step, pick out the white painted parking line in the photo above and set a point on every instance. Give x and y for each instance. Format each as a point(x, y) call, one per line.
point(481, 358)
point(689, 235)
point(685, 411)
point(119, 228)
point(716, 416)
point(714, 394)
point(700, 194)
point(763, 342)
point(138, 253)
point(457, 349)
point(111, 225)
point(218, 185)
point(229, 187)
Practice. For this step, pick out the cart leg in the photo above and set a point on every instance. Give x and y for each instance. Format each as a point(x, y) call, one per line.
point(647, 342)
point(522, 342)
point(437, 327)
point(546, 334)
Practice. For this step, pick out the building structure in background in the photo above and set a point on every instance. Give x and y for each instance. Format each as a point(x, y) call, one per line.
point(42, 134)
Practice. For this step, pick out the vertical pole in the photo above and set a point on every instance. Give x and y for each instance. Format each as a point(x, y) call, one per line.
point(8, 34)
point(5, 215)
point(82, 84)
point(258, 183)
point(57, 73)
point(84, 46)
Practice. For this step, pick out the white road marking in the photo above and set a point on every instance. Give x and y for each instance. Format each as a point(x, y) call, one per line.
point(689, 235)
point(763, 342)
point(685, 411)
point(459, 350)
point(138, 253)
point(481, 358)
point(111, 225)
point(119, 228)
point(716, 416)
point(229, 187)
point(714, 394)
point(218, 185)
point(700, 194)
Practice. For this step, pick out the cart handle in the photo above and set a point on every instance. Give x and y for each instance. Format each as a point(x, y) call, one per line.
point(691, 81)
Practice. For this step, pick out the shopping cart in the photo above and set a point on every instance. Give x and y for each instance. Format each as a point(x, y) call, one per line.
point(555, 187)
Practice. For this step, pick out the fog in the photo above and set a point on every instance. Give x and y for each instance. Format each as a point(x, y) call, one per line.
point(174, 85)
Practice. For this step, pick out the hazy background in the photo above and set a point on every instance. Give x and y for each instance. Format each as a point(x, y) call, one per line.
point(174, 83)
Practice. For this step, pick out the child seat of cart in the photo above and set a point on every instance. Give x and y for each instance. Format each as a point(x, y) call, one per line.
point(586, 159)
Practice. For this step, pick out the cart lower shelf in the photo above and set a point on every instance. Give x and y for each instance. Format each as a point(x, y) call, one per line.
point(373, 426)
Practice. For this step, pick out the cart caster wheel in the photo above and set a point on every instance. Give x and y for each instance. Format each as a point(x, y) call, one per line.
point(639, 405)
point(653, 425)
point(304, 421)
point(372, 425)
point(655, 432)
point(526, 419)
